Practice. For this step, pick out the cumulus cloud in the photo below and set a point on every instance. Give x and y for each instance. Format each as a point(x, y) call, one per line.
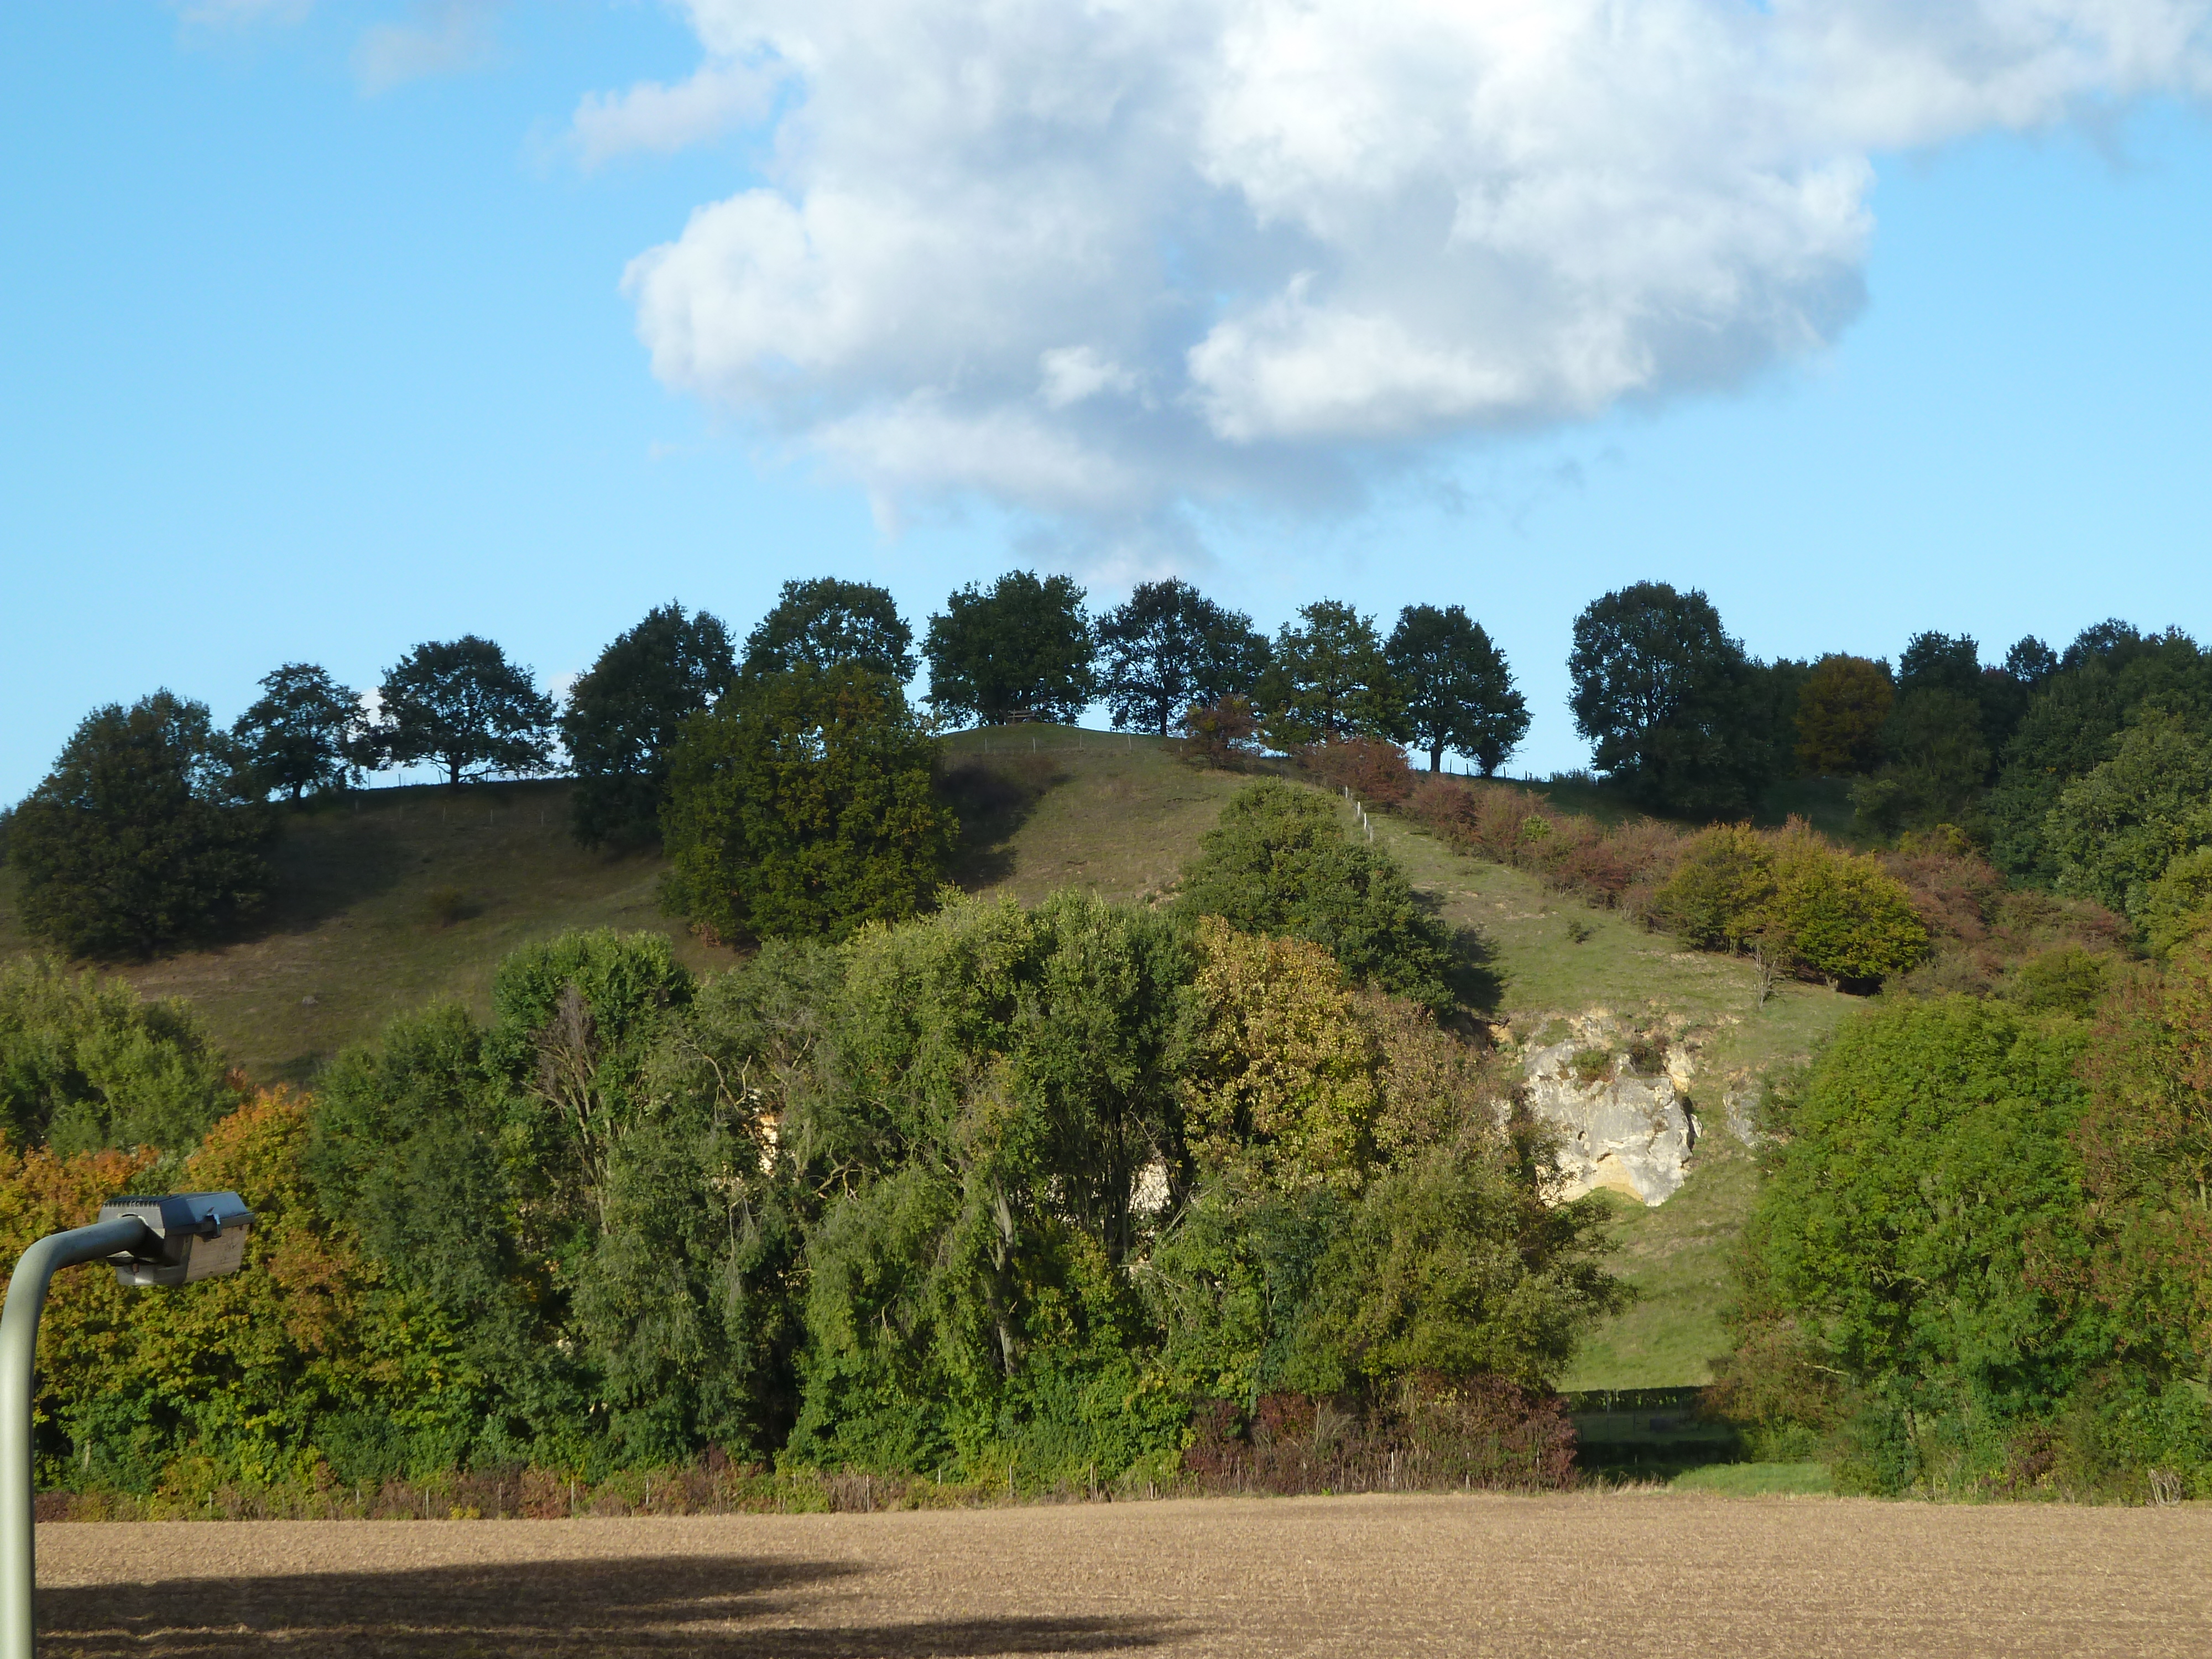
point(1107, 258)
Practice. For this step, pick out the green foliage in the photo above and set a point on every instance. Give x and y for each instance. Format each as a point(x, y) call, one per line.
point(1455, 686)
point(1171, 648)
point(802, 807)
point(303, 733)
point(2069, 981)
point(1936, 763)
point(1280, 862)
point(2178, 906)
point(2109, 676)
point(1841, 711)
point(1021, 652)
point(2146, 1150)
point(2116, 830)
point(625, 713)
point(1450, 1266)
point(407, 1153)
point(1841, 917)
point(461, 705)
point(1003, 1076)
point(85, 1064)
point(1722, 893)
point(1925, 1228)
point(1845, 919)
point(141, 839)
point(823, 623)
point(1327, 680)
point(1667, 698)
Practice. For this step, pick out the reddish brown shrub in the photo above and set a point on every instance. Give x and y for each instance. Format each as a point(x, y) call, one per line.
point(1374, 771)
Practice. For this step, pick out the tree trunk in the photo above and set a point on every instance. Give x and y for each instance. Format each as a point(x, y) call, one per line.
point(1437, 755)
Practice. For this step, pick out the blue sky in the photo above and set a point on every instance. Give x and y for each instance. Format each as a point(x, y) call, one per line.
point(306, 361)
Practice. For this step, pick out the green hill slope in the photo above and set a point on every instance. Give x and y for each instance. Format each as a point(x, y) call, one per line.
point(394, 897)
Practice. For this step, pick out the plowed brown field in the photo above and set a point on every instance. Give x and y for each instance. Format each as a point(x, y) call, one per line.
point(1631, 1574)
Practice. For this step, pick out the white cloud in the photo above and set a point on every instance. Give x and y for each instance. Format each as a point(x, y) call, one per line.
point(1102, 259)
point(660, 120)
point(445, 37)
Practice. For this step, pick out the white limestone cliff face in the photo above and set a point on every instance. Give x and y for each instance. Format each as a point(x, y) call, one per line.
point(1621, 1098)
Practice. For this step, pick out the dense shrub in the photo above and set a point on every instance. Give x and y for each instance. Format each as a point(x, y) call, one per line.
point(1927, 1237)
point(1280, 861)
point(1843, 917)
point(84, 1064)
point(1723, 893)
point(802, 807)
point(147, 836)
point(2178, 906)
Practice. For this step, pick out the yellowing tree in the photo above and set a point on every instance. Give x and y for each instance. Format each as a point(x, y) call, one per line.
point(1282, 1079)
point(1840, 711)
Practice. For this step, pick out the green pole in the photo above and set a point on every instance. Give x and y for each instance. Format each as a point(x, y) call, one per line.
point(19, 1356)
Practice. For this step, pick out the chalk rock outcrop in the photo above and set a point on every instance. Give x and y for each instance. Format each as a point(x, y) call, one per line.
point(1621, 1100)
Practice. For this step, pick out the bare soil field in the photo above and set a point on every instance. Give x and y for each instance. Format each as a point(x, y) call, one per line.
point(1619, 1574)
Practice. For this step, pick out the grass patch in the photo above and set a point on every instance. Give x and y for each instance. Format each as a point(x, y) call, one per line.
point(389, 899)
point(1757, 1479)
point(1678, 1257)
point(1113, 813)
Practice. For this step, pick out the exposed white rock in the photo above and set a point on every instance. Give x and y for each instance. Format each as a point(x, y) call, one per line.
point(1619, 1128)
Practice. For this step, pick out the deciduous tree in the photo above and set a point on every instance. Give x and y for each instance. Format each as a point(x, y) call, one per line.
point(1663, 693)
point(1021, 652)
point(802, 807)
point(303, 734)
point(460, 704)
point(1328, 680)
point(1840, 711)
point(1171, 648)
point(141, 838)
point(1454, 687)
point(822, 621)
point(623, 717)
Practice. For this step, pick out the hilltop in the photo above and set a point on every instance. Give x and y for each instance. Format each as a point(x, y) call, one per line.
point(390, 898)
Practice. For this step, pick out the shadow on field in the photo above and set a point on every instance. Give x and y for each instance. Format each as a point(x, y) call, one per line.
point(710, 1606)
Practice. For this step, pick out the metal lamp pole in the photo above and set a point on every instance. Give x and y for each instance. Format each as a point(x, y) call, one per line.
point(171, 1240)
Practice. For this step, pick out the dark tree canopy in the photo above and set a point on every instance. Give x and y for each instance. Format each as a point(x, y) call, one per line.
point(822, 621)
point(1939, 662)
point(1454, 687)
point(302, 735)
point(1840, 711)
point(624, 716)
point(141, 838)
point(801, 807)
point(461, 704)
point(1664, 694)
point(1020, 651)
point(1328, 680)
point(1171, 649)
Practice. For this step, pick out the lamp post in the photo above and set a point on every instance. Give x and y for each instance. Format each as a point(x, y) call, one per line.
point(170, 1240)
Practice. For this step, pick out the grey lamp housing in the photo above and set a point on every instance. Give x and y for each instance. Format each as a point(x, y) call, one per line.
point(195, 1236)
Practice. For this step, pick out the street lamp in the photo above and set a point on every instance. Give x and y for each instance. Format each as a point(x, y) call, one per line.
point(170, 1240)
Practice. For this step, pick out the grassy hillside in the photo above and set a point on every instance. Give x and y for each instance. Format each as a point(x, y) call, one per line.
point(357, 930)
point(1675, 1256)
point(397, 897)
